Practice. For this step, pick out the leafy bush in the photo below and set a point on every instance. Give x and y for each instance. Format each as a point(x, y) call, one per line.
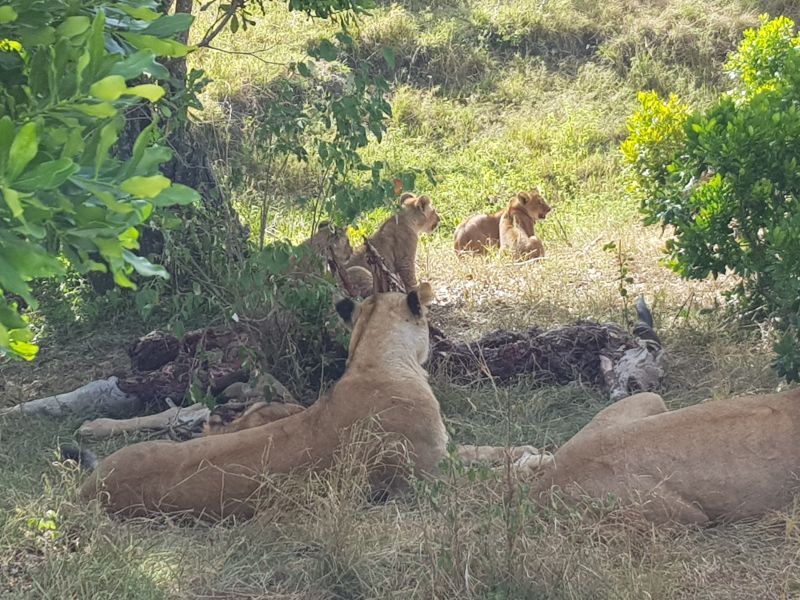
point(70, 71)
point(726, 178)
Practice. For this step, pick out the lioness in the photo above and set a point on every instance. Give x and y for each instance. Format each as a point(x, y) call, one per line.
point(219, 475)
point(396, 242)
point(719, 460)
point(480, 232)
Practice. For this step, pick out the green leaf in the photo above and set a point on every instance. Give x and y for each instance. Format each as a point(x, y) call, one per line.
point(150, 91)
point(388, 56)
point(327, 51)
point(46, 176)
point(176, 194)
point(12, 199)
point(138, 63)
point(138, 12)
point(73, 26)
point(6, 137)
point(109, 88)
point(159, 47)
point(11, 281)
point(144, 266)
point(145, 187)
point(108, 137)
point(23, 149)
point(103, 109)
point(7, 14)
point(169, 25)
point(25, 350)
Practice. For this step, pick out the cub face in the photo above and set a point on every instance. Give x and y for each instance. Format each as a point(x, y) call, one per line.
point(421, 212)
point(533, 204)
point(329, 235)
point(390, 315)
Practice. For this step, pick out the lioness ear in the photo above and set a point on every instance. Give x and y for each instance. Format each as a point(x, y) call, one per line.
point(406, 196)
point(324, 225)
point(347, 309)
point(416, 299)
point(523, 197)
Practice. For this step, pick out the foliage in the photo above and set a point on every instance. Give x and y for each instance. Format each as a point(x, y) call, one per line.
point(727, 180)
point(70, 72)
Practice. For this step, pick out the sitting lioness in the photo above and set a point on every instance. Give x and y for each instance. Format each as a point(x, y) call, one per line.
point(720, 460)
point(480, 232)
point(396, 242)
point(220, 475)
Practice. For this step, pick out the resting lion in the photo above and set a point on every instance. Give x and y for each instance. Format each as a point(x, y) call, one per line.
point(396, 242)
point(480, 232)
point(220, 475)
point(720, 460)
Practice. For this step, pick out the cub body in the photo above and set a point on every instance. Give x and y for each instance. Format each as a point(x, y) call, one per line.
point(396, 242)
point(514, 224)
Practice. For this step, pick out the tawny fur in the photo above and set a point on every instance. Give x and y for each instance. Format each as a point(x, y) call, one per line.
point(260, 413)
point(327, 236)
point(719, 460)
point(396, 241)
point(220, 475)
point(480, 232)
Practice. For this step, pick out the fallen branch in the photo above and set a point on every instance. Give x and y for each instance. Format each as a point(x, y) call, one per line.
point(101, 397)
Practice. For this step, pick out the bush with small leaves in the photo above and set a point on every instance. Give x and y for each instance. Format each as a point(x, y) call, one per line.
point(727, 180)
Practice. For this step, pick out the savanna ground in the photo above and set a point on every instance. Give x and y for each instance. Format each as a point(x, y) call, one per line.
point(496, 97)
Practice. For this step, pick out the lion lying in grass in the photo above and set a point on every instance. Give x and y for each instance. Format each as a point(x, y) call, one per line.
point(220, 475)
point(480, 232)
point(721, 460)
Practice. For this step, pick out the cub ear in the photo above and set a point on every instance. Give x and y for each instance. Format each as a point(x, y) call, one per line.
point(523, 197)
point(324, 225)
point(422, 296)
point(348, 310)
point(405, 197)
point(422, 202)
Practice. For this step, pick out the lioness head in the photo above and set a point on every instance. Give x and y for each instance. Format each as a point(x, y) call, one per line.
point(400, 319)
point(532, 203)
point(329, 235)
point(423, 216)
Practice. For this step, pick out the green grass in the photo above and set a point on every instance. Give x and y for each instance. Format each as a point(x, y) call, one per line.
point(495, 98)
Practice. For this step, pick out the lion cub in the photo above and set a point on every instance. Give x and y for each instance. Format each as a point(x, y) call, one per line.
point(480, 232)
point(316, 248)
point(516, 225)
point(396, 242)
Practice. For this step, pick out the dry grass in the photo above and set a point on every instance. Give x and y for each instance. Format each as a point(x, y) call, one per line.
point(481, 102)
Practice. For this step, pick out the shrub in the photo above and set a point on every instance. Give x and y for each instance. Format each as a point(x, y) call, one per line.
point(726, 178)
point(70, 71)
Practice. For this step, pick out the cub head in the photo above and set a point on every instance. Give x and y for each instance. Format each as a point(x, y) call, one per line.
point(532, 203)
point(329, 235)
point(419, 209)
point(391, 323)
